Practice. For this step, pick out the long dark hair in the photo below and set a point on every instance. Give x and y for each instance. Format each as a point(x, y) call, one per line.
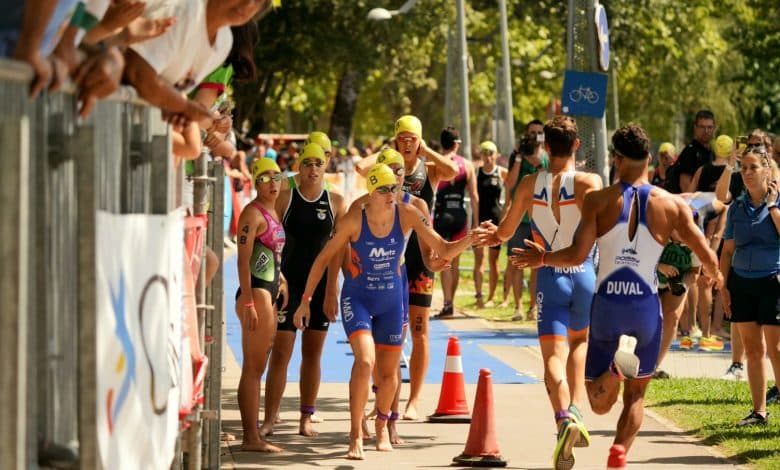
point(242, 55)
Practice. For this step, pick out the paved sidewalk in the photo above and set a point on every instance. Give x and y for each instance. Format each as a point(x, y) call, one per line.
point(524, 425)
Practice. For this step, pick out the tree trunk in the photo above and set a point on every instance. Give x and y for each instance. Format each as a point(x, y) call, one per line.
point(346, 103)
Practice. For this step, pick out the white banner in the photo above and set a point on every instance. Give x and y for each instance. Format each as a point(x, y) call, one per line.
point(139, 335)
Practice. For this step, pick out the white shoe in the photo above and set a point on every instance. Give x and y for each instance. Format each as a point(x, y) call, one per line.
point(736, 371)
point(696, 333)
point(626, 362)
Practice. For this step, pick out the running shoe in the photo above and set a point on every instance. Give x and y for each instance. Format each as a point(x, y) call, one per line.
point(736, 371)
point(574, 413)
point(711, 343)
point(696, 332)
point(446, 312)
point(661, 374)
point(625, 361)
point(773, 396)
point(754, 419)
point(563, 456)
point(617, 457)
point(686, 343)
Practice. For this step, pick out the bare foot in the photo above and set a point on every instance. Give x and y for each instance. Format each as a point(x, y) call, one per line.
point(316, 419)
point(410, 413)
point(505, 304)
point(371, 415)
point(355, 451)
point(226, 436)
point(260, 446)
point(382, 436)
point(366, 430)
point(490, 303)
point(266, 429)
point(305, 427)
point(278, 419)
point(395, 439)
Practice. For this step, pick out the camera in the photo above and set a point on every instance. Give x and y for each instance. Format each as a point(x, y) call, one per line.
point(527, 145)
point(677, 286)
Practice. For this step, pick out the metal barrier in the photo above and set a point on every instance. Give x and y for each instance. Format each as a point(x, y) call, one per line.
point(56, 173)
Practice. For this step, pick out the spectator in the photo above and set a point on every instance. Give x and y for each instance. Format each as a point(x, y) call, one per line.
point(667, 155)
point(750, 263)
point(532, 157)
point(695, 155)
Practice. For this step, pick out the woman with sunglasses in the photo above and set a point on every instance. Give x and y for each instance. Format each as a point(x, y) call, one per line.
point(373, 293)
point(308, 212)
point(750, 264)
point(260, 243)
point(393, 159)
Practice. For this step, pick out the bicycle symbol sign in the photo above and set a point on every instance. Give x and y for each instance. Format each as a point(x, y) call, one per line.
point(584, 94)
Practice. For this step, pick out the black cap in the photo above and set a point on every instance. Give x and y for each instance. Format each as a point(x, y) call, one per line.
point(449, 137)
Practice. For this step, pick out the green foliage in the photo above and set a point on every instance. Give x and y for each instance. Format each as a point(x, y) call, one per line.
point(710, 410)
point(672, 58)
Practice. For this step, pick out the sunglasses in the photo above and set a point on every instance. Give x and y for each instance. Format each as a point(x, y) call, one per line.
point(387, 189)
point(758, 149)
point(398, 171)
point(310, 162)
point(408, 139)
point(268, 178)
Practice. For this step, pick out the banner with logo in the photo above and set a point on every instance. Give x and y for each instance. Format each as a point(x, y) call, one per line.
point(139, 262)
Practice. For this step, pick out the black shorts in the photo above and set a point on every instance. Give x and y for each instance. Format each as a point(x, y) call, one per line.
point(522, 233)
point(272, 287)
point(420, 278)
point(317, 321)
point(754, 300)
point(451, 224)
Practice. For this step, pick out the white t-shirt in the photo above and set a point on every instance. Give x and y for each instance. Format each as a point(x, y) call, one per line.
point(184, 56)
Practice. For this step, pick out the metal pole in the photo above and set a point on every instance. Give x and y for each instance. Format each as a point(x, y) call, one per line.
point(200, 204)
point(599, 124)
point(449, 78)
point(508, 145)
point(465, 134)
point(615, 102)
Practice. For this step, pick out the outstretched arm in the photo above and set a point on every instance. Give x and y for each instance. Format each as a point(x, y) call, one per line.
point(412, 217)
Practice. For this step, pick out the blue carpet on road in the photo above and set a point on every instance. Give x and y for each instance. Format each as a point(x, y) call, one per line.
point(337, 356)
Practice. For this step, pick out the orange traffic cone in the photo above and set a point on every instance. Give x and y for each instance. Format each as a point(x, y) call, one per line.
point(453, 407)
point(481, 446)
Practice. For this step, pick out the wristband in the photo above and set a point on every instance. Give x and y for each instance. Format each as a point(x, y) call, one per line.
point(771, 206)
point(730, 168)
point(306, 298)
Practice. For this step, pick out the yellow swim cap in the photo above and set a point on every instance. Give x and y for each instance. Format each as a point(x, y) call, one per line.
point(723, 146)
point(319, 138)
point(408, 123)
point(263, 165)
point(313, 150)
point(389, 157)
point(667, 147)
point(488, 146)
point(379, 175)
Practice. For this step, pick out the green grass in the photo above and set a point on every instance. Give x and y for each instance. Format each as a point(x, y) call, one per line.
point(465, 300)
point(709, 409)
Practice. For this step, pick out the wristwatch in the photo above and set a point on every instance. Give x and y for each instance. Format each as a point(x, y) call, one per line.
point(769, 207)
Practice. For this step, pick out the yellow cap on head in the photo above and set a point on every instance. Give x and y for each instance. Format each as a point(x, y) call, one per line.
point(319, 138)
point(488, 146)
point(667, 147)
point(389, 157)
point(263, 165)
point(723, 147)
point(313, 150)
point(408, 123)
point(379, 175)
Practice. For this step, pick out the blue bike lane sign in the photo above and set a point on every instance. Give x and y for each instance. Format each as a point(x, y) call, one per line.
point(584, 94)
